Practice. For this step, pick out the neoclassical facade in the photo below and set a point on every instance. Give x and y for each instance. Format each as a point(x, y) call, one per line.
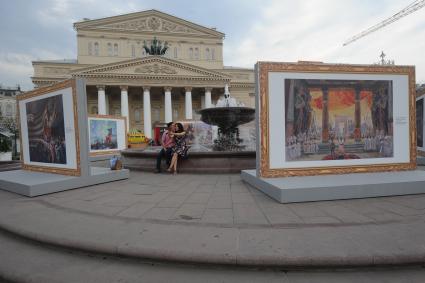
point(122, 79)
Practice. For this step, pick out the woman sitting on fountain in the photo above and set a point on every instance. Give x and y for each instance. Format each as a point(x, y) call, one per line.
point(180, 148)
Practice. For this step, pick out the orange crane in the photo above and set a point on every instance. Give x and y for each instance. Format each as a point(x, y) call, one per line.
point(416, 5)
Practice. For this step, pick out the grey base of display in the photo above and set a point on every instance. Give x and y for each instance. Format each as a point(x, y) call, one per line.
point(31, 184)
point(333, 187)
point(420, 160)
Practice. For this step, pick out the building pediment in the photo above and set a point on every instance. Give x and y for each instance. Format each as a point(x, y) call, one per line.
point(151, 66)
point(148, 21)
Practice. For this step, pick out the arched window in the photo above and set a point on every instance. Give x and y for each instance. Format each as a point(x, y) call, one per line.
point(175, 52)
point(90, 48)
point(96, 48)
point(8, 110)
point(133, 51)
point(213, 54)
point(137, 115)
point(191, 53)
point(207, 54)
point(196, 53)
point(110, 49)
point(116, 49)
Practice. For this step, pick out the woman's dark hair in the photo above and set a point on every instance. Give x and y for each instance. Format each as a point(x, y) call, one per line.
point(180, 128)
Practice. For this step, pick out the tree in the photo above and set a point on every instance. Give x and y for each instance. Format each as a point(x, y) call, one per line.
point(11, 125)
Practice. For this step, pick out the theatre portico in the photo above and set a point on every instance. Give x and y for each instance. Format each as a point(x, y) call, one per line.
point(124, 79)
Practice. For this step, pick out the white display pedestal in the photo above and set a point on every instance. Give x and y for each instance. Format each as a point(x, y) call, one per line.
point(332, 187)
point(31, 184)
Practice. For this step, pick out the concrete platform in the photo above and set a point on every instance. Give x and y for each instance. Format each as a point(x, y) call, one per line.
point(214, 219)
point(31, 184)
point(333, 187)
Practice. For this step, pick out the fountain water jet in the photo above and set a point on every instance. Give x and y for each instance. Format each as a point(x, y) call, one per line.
point(227, 114)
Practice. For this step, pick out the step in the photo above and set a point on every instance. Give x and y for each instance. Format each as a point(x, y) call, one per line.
point(23, 260)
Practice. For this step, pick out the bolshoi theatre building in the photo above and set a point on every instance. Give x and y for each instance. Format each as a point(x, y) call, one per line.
point(124, 78)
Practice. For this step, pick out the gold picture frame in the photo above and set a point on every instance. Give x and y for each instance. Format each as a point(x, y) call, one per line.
point(111, 117)
point(71, 83)
point(263, 71)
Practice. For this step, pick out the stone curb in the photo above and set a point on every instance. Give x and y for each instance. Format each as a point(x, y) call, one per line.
point(284, 248)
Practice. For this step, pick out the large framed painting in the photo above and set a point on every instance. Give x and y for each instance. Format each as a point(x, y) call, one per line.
point(107, 134)
point(49, 129)
point(420, 127)
point(317, 118)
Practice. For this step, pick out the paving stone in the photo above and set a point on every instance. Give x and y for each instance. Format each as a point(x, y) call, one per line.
point(306, 209)
point(172, 201)
point(119, 200)
point(320, 220)
point(162, 213)
point(345, 215)
point(198, 198)
point(220, 201)
point(281, 215)
point(239, 188)
point(399, 209)
point(155, 197)
point(189, 212)
point(136, 210)
point(242, 198)
point(417, 202)
point(248, 214)
point(220, 216)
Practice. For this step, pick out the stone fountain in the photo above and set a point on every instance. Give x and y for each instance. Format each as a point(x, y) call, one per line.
point(229, 153)
point(228, 115)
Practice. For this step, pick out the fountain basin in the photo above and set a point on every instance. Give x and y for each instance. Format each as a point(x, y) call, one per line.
point(227, 117)
point(197, 161)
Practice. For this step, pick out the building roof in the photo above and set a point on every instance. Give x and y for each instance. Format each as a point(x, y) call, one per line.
point(116, 23)
point(58, 61)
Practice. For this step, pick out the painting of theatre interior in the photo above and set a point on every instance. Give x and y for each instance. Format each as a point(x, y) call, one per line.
point(103, 134)
point(338, 119)
point(46, 130)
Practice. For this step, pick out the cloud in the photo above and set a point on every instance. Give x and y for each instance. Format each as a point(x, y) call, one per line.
point(16, 68)
point(315, 30)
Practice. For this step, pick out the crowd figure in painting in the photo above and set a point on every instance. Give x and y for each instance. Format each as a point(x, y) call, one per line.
point(380, 143)
point(174, 146)
point(303, 144)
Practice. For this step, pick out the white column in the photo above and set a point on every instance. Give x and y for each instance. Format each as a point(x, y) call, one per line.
point(188, 103)
point(168, 107)
point(101, 101)
point(147, 112)
point(124, 104)
point(208, 97)
point(106, 103)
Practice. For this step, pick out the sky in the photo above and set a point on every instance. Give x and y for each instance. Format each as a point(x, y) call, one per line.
point(266, 30)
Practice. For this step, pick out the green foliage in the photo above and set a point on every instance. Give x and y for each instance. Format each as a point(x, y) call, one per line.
point(5, 144)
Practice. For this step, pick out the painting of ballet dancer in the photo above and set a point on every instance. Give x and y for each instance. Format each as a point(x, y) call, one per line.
point(46, 130)
point(49, 129)
point(338, 119)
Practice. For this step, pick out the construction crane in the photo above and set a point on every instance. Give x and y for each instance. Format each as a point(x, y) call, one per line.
point(416, 5)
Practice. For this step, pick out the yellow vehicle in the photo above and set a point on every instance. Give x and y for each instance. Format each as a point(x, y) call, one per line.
point(136, 138)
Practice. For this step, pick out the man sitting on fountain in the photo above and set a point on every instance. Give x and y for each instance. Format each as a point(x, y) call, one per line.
point(167, 143)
